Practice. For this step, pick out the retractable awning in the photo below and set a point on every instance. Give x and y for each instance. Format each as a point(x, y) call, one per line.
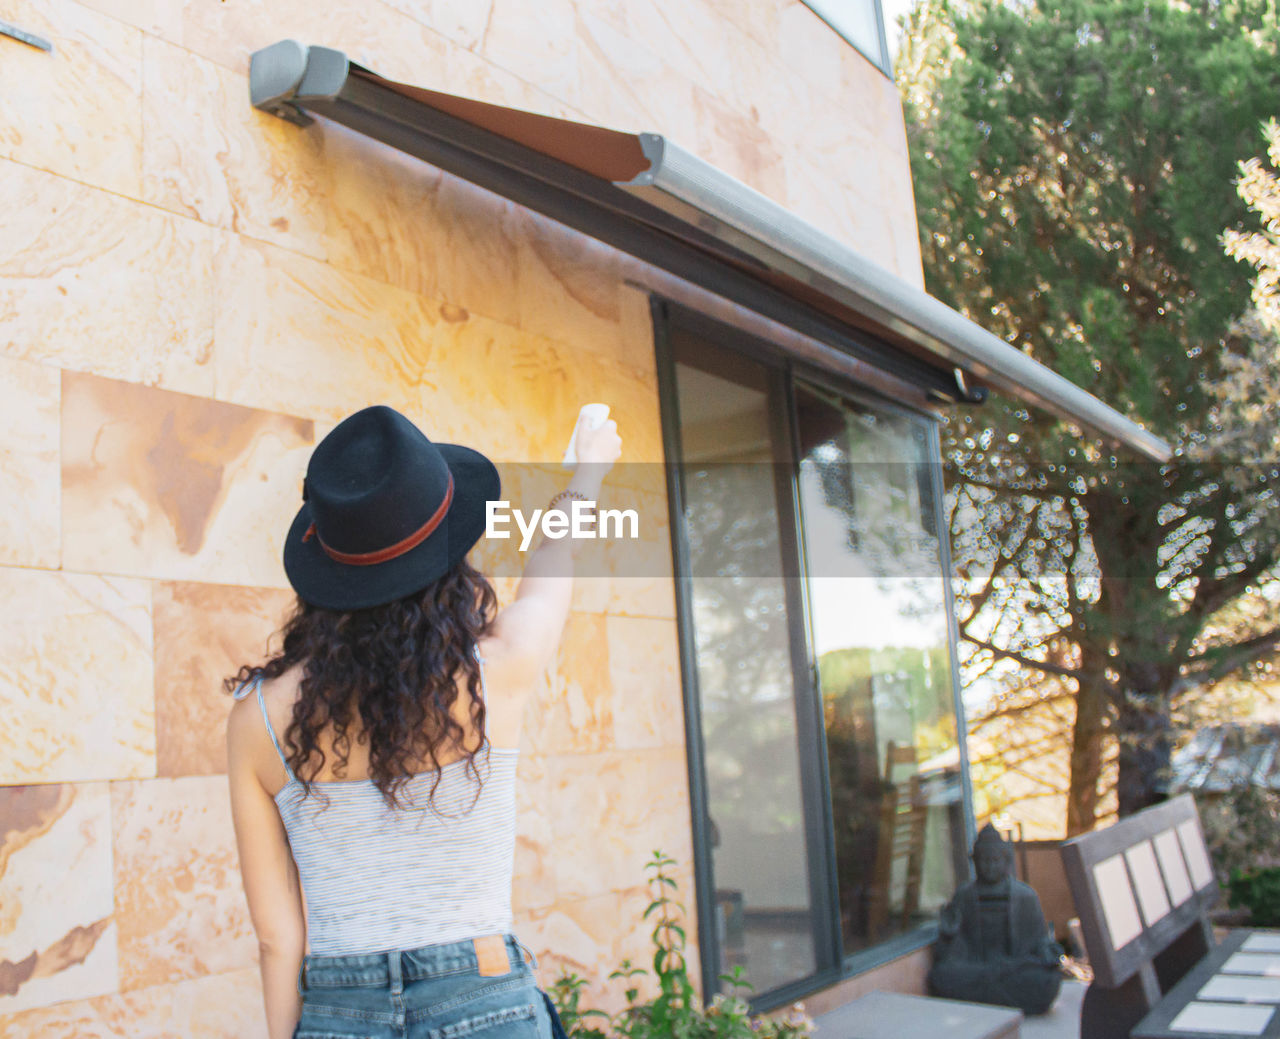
point(647, 196)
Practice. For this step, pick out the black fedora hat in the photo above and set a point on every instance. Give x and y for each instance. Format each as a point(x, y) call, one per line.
point(385, 512)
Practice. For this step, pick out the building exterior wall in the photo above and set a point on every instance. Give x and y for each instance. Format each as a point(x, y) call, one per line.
point(191, 294)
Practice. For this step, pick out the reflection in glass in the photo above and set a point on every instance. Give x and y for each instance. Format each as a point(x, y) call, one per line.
point(743, 657)
point(881, 640)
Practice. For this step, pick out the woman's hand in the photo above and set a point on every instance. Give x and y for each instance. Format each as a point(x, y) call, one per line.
point(597, 450)
point(600, 446)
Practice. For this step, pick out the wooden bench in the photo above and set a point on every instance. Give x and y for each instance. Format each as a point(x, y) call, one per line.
point(1142, 889)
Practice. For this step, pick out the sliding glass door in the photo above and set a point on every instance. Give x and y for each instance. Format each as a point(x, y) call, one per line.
point(825, 766)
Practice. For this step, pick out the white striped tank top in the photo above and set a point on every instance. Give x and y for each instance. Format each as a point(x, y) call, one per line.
point(376, 878)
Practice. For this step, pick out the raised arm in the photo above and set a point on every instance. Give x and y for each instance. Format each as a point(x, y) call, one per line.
point(528, 631)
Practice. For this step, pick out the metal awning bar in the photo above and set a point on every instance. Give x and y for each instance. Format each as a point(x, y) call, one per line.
point(651, 198)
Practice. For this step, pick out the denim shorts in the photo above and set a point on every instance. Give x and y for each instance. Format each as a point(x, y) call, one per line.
point(436, 992)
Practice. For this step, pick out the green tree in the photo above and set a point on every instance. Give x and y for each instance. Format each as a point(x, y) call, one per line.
point(1249, 394)
point(1073, 167)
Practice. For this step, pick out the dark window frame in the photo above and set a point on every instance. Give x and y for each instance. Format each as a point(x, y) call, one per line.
point(831, 965)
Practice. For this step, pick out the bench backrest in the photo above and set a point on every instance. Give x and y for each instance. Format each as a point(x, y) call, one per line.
point(1139, 886)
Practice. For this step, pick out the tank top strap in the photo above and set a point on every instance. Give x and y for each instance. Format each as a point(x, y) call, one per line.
point(484, 693)
point(266, 720)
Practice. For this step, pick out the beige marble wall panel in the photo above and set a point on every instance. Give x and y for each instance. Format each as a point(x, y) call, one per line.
point(635, 331)
point(644, 673)
point(804, 126)
point(735, 143)
point(74, 111)
point(376, 35)
point(325, 191)
point(462, 21)
point(75, 677)
point(573, 712)
point(625, 596)
point(180, 905)
point(612, 11)
point(568, 283)
point(478, 263)
point(373, 34)
point(30, 397)
point(401, 221)
point(94, 282)
point(165, 485)
point(854, 215)
point(622, 577)
point(632, 396)
point(899, 195)
point(161, 18)
point(633, 399)
point(760, 21)
point(879, 108)
point(57, 932)
point(774, 97)
point(809, 48)
point(536, 42)
point(301, 337)
point(626, 85)
point(223, 1006)
point(381, 205)
point(604, 831)
point(203, 633)
point(592, 936)
point(516, 396)
point(209, 155)
point(697, 39)
point(576, 935)
point(534, 881)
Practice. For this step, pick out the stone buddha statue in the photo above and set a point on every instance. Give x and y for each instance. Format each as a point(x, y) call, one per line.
point(993, 946)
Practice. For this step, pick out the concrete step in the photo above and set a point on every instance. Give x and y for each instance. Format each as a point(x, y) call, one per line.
point(890, 1015)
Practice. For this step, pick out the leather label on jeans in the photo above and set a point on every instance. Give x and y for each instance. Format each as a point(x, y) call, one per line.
point(491, 956)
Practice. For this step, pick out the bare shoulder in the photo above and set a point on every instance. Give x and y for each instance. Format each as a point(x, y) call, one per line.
point(244, 720)
point(240, 718)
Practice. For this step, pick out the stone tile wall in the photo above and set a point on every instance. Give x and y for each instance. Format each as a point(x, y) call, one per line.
point(191, 294)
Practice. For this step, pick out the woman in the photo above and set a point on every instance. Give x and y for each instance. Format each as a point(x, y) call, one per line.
point(372, 762)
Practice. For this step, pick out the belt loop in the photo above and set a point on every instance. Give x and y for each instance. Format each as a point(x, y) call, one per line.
point(394, 973)
point(302, 978)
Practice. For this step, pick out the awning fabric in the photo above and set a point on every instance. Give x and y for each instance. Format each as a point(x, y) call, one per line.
point(647, 196)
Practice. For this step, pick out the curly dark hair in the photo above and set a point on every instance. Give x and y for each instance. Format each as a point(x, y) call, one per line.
point(388, 672)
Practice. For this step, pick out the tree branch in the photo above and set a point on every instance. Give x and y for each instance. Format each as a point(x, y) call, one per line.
point(1025, 661)
point(1222, 660)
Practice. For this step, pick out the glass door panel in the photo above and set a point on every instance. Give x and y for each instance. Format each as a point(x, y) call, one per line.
point(880, 637)
point(738, 613)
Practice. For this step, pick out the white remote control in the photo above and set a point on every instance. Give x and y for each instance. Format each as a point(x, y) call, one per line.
point(592, 416)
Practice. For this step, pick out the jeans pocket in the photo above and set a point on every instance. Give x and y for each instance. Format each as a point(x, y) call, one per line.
point(519, 1022)
point(331, 1027)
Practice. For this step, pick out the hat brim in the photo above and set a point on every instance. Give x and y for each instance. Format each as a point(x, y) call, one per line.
point(323, 581)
